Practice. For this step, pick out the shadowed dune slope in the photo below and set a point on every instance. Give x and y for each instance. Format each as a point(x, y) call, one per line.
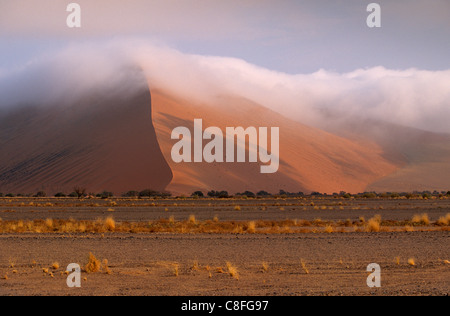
point(101, 142)
point(310, 159)
point(425, 156)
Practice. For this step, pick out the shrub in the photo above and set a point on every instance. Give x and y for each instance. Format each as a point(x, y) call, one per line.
point(247, 194)
point(131, 194)
point(41, 194)
point(153, 193)
point(60, 194)
point(218, 194)
point(197, 194)
point(106, 195)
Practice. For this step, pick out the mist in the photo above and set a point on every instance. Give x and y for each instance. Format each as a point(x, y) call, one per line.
point(413, 97)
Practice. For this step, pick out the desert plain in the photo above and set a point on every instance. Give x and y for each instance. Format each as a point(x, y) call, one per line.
point(215, 247)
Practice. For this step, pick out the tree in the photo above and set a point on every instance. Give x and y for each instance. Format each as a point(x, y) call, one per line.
point(131, 194)
point(197, 194)
point(41, 194)
point(106, 195)
point(79, 191)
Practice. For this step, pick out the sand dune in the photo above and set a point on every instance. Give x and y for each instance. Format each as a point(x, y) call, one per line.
point(424, 156)
point(115, 142)
point(100, 142)
point(311, 159)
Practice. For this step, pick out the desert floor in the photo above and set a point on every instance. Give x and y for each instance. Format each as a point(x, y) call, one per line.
point(196, 264)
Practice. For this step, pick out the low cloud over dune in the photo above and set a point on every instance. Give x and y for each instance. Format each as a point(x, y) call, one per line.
point(413, 98)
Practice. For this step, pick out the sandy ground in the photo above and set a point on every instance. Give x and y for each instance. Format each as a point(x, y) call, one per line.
point(265, 209)
point(145, 264)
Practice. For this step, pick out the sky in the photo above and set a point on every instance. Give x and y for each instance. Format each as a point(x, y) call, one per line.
point(306, 59)
point(289, 36)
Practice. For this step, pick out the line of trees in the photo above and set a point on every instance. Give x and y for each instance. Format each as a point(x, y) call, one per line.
point(80, 192)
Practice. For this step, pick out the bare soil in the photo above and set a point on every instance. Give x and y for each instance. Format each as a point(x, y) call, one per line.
point(145, 264)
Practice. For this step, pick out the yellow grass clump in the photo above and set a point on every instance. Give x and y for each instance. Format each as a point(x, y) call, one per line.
point(444, 220)
point(329, 229)
point(251, 228)
point(176, 269)
point(110, 224)
point(55, 266)
point(94, 265)
point(49, 223)
point(374, 224)
point(411, 262)
point(232, 271)
point(105, 267)
point(305, 269)
point(192, 220)
point(265, 267)
point(422, 219)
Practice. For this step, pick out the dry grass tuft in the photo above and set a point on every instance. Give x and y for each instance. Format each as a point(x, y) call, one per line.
point(397, 261)
point(55, 266)
point(94, 265)
point(304, 266)
point(374, 224)
point(422, 219)
point(49, 223)
point(444, 220)
point(105, 267)
point(110, 224)
point(192, 220)
point(232, 271)
point(195, 266)
point(237, 208)
point(176, 270)
point(265, 267)
point(329, 229)
point(411, 262)
point(251, 228)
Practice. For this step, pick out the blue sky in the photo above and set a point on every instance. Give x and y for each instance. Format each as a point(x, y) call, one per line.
point(291, 36)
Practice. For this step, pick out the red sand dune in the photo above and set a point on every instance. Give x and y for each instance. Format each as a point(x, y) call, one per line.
point(311, 159)
point(100, 143)
point(107, 142)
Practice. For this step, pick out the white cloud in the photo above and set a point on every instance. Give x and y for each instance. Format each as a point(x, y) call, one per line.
point(411, 97)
